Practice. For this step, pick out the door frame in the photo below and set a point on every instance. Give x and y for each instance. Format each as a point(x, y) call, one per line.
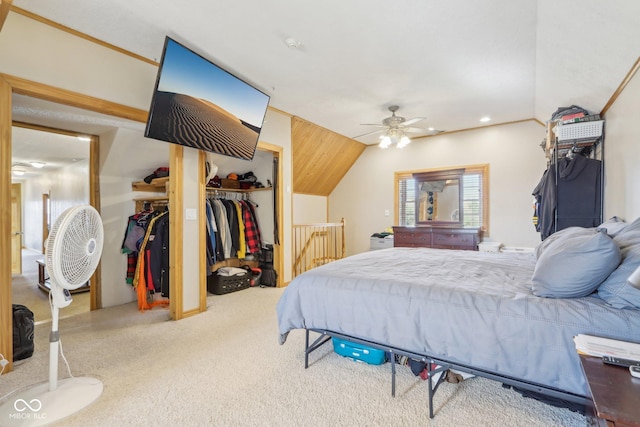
point(8, 86)
point(18, 186)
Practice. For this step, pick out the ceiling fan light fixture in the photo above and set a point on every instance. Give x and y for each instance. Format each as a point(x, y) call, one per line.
point(385, 141)
point(394, 136)
point(404, 141)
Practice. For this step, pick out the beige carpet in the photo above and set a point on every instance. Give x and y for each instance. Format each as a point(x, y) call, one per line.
point(226, 368)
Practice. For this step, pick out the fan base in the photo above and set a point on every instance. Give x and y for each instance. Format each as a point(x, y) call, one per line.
point(37, 406)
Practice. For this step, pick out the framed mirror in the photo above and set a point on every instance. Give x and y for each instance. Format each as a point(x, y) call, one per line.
point(439, 198)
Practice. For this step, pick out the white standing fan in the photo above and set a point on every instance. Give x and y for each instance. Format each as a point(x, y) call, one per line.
point(72, 254)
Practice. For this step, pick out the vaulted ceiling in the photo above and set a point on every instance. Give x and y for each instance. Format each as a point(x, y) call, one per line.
point(452, 62)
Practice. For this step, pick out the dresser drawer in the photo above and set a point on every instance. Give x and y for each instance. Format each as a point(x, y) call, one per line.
point(437, 237)
point(412, 239)
point(449, 240)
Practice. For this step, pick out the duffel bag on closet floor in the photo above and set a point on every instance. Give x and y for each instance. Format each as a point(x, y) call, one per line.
point(23, 332)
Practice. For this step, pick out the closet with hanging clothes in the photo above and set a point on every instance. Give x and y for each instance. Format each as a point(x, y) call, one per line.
point(233, 230)
point(146, 244)
point(570, 192)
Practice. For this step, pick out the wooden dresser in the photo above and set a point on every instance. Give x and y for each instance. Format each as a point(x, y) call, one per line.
point(437, 237)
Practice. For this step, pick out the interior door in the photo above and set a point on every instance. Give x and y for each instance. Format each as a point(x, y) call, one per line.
point(16, 229)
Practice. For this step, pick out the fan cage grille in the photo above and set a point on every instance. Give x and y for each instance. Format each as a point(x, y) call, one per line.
point(74, 247)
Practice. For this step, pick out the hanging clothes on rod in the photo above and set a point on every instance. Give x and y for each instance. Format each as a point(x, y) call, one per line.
point(233, 230)
point(146, 244)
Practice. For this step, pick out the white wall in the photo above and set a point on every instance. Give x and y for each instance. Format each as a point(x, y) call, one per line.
point(516, 164)
point(308, 209)
point(125, 156)
point(622, 154)
point(67, 187)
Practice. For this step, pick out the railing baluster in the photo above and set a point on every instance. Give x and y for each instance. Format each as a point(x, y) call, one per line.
point(316, 244)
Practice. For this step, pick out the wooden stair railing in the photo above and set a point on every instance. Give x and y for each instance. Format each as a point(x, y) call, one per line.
point(317, 244)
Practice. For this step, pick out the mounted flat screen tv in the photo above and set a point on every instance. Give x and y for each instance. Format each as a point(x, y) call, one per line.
point(198, 104)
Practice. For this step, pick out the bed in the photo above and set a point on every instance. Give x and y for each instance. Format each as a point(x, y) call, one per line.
point(473, 311)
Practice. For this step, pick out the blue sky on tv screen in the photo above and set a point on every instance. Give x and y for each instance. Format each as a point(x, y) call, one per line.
point(188, 73)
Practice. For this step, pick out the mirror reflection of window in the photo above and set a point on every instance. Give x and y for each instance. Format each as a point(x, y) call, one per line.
point(474, 199)
point(439, 200)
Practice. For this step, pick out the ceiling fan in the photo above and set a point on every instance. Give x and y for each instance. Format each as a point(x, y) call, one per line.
point(394, 129)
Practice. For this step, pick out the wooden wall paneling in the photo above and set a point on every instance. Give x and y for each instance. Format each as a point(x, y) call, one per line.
point(321, 158)
point(6, 322)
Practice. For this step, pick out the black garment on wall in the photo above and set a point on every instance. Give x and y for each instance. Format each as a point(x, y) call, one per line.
point(159, 256)
point(574, 200)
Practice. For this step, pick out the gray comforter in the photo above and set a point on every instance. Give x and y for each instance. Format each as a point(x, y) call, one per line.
point(471, 308)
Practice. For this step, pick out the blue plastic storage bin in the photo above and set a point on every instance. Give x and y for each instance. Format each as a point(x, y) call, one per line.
point(359, 352)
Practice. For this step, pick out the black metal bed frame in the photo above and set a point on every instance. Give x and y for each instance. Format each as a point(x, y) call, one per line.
point(443, 365)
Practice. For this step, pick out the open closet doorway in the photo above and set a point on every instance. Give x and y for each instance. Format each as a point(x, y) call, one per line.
point(51, 168)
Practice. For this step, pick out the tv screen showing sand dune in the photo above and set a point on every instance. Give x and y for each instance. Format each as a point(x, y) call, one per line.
point(200, 105)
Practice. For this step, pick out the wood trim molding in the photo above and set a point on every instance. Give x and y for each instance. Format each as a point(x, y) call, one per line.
point(417, 138)
point(76, 33)
point(49, 129)
point(74, 99)
point(5, 7)
point(6, 330)
point(202, 229)
point(278, 250)
point(94, 200)
point(634, 69)
point(176, 224)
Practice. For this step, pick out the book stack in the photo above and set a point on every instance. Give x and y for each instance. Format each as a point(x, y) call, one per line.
point(578, 118)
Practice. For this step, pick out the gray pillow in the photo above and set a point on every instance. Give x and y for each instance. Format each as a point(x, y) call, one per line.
point(574, 266)
point(613, 226)
point(615, 290)
point(562, 234)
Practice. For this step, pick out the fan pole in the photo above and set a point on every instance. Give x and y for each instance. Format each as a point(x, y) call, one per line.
point(54, 343)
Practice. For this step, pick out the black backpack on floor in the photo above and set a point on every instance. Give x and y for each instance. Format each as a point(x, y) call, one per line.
point(23, 332)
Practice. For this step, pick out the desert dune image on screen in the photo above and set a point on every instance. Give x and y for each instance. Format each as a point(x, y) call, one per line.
point(199, 105)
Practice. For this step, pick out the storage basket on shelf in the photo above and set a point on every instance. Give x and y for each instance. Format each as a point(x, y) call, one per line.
point(228, 279)
point(592, 129)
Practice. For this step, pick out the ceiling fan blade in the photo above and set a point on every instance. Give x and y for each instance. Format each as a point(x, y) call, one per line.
point(414, 129)
point(374, 124)
point(369, 133)
point(412, 121)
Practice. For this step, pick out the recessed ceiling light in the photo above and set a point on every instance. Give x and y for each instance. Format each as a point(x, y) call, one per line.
point(38, 165)
point(485, 119)
point(18, 172)
point(292, 42)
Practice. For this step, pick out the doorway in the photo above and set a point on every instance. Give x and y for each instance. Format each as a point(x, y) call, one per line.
point(51, 168)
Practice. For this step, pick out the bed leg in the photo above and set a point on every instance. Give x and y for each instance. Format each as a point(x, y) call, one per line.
point(430, 386)
point(306, 349)
point(393, 373)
